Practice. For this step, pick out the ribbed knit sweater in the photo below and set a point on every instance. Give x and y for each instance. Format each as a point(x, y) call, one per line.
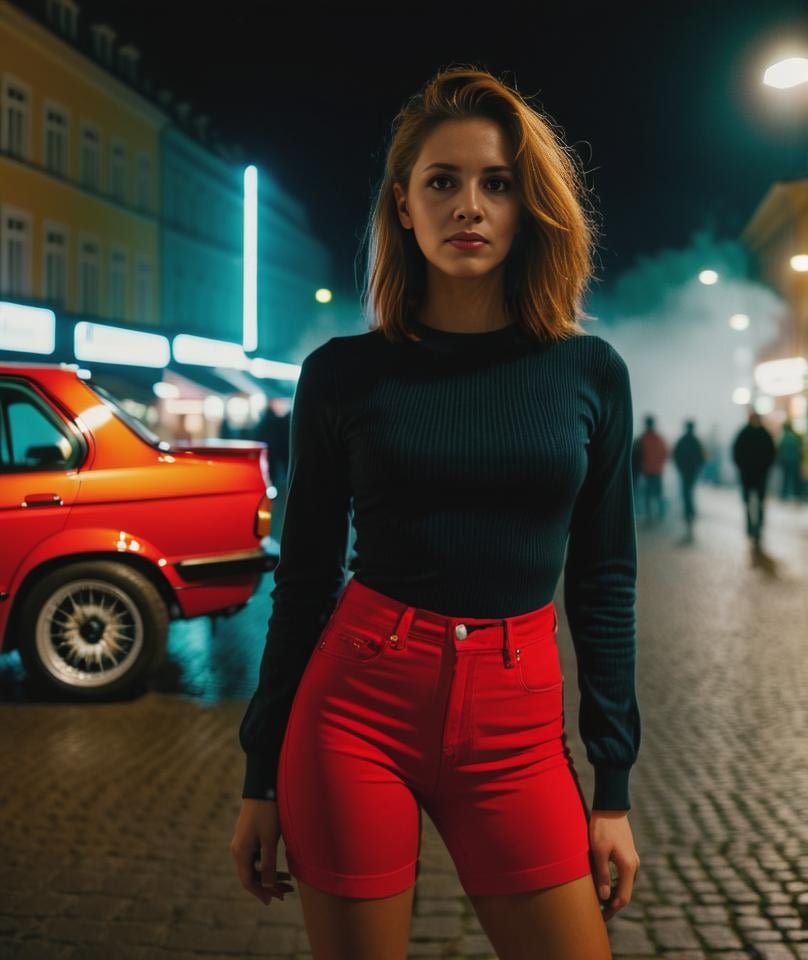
point(477, 467)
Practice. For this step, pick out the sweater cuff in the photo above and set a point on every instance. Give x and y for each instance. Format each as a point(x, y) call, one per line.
point(259, 778)
point(611, 788)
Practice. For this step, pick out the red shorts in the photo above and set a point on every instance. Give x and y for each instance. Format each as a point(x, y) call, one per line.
point(400, 709)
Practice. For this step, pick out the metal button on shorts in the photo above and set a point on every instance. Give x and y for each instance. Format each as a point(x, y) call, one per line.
point(461, 632)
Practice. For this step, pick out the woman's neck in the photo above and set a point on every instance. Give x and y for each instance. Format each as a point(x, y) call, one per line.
point(464, 307)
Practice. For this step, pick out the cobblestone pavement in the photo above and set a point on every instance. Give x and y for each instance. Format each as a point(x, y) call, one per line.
point(116, 818)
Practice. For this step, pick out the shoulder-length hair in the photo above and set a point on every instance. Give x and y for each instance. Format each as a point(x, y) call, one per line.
point(549, 266)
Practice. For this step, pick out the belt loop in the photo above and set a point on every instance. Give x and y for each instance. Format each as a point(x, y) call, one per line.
point(508, 649)
point(398, 638)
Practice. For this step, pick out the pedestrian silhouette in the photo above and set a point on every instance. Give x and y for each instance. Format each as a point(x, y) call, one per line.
point(789, 458)
point(754, 453)
point(689, 457)
point(653, 453)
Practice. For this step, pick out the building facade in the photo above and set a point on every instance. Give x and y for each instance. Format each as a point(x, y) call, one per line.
point(122, 215)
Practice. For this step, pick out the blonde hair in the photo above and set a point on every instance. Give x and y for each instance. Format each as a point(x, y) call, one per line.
point(549, 266)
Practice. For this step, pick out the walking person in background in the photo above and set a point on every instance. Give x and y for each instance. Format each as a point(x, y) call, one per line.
point(754, 453)
point(653, 456)
point(432, 681)
point(789, 459)
point(689, 458)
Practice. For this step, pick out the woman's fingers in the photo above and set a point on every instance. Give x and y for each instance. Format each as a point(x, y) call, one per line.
point(621, 897)
point(247, 876)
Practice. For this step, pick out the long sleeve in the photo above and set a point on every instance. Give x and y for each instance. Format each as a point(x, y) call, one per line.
point(311, 570)
point(600, 591)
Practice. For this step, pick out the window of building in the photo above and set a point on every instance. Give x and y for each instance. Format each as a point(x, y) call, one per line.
point(15, 250)
point(54, 286)
point(143, 185)
point(64, 15)
point(128, 57)
point(144, 289)
point(103, 41)
point(117, 172)
point(89, 276)
point(16, 119)
point(56, 127)
point(118, 263)
point(90, 156)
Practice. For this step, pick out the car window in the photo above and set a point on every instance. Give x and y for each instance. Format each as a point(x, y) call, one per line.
point(33, 437)
point(132, 422)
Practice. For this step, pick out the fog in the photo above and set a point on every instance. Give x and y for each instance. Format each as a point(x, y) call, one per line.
point(673, 331)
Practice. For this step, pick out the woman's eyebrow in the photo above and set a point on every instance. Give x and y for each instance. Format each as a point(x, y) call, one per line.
point(453, 166)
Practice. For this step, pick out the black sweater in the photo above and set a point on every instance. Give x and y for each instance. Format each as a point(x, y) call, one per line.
point(470, 462)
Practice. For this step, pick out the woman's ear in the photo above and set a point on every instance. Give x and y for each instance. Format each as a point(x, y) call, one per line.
point(401, 207)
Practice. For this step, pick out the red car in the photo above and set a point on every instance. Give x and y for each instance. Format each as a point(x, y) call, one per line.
point(107, 533)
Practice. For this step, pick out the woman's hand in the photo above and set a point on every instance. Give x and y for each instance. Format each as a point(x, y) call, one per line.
point(256, 835)
point(610, 838)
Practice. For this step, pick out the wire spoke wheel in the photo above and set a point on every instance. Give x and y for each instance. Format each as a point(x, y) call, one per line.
point(93, 628)
point(89, 632)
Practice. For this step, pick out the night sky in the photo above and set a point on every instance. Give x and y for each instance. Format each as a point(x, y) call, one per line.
point(664, 105)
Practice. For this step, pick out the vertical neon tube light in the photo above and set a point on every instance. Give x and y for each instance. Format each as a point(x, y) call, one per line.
point(250, 307)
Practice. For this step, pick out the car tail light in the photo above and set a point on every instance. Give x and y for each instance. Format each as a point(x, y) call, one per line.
point(263, 517)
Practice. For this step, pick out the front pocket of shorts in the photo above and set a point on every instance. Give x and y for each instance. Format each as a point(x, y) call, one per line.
point(509, 718)
point(539, 665)
point(351, 645)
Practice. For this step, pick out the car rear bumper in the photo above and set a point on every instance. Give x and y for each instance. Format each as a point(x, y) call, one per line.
point(237, 563)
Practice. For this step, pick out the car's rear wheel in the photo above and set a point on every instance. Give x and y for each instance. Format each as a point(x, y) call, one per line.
point(93, 628)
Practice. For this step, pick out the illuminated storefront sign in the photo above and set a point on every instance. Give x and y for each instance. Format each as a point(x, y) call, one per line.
point(28, 329)
point(206, 352)
point(105, 344)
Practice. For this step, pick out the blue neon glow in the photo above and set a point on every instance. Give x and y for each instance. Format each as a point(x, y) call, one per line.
point(250, 308)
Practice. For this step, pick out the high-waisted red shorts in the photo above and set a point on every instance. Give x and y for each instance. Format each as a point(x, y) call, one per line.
point(400, 709)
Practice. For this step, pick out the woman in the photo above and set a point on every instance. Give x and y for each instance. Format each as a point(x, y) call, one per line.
point(475, 432)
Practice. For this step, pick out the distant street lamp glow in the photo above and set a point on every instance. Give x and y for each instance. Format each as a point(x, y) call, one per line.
point(708, 277)
point(250, 268)
point(323, 295)
point(739, 321)
point(782, 377)
point(741, 396)
point(799, 262)
point(743, 357)
point(787, 73)
point(165, 391)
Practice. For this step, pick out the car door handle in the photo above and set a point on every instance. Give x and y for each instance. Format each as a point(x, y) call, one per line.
point(42, 500)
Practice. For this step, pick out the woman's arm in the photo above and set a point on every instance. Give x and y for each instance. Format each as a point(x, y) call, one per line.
point(312, 565)
point(600, 591)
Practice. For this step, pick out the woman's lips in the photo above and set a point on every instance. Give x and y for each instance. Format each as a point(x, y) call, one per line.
point(467, 244)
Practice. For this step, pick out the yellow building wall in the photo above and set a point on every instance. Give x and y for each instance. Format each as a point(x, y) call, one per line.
point(53, 71)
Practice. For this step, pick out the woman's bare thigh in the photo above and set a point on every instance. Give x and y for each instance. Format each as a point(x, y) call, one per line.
point(563, 922)
point(349, 928)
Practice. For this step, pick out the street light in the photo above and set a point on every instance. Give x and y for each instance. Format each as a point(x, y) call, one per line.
point(787, 73)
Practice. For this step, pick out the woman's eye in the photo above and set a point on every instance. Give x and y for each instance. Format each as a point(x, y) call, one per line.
point(492, 180)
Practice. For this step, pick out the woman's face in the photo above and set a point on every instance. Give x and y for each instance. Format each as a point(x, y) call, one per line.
point(441, 202)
